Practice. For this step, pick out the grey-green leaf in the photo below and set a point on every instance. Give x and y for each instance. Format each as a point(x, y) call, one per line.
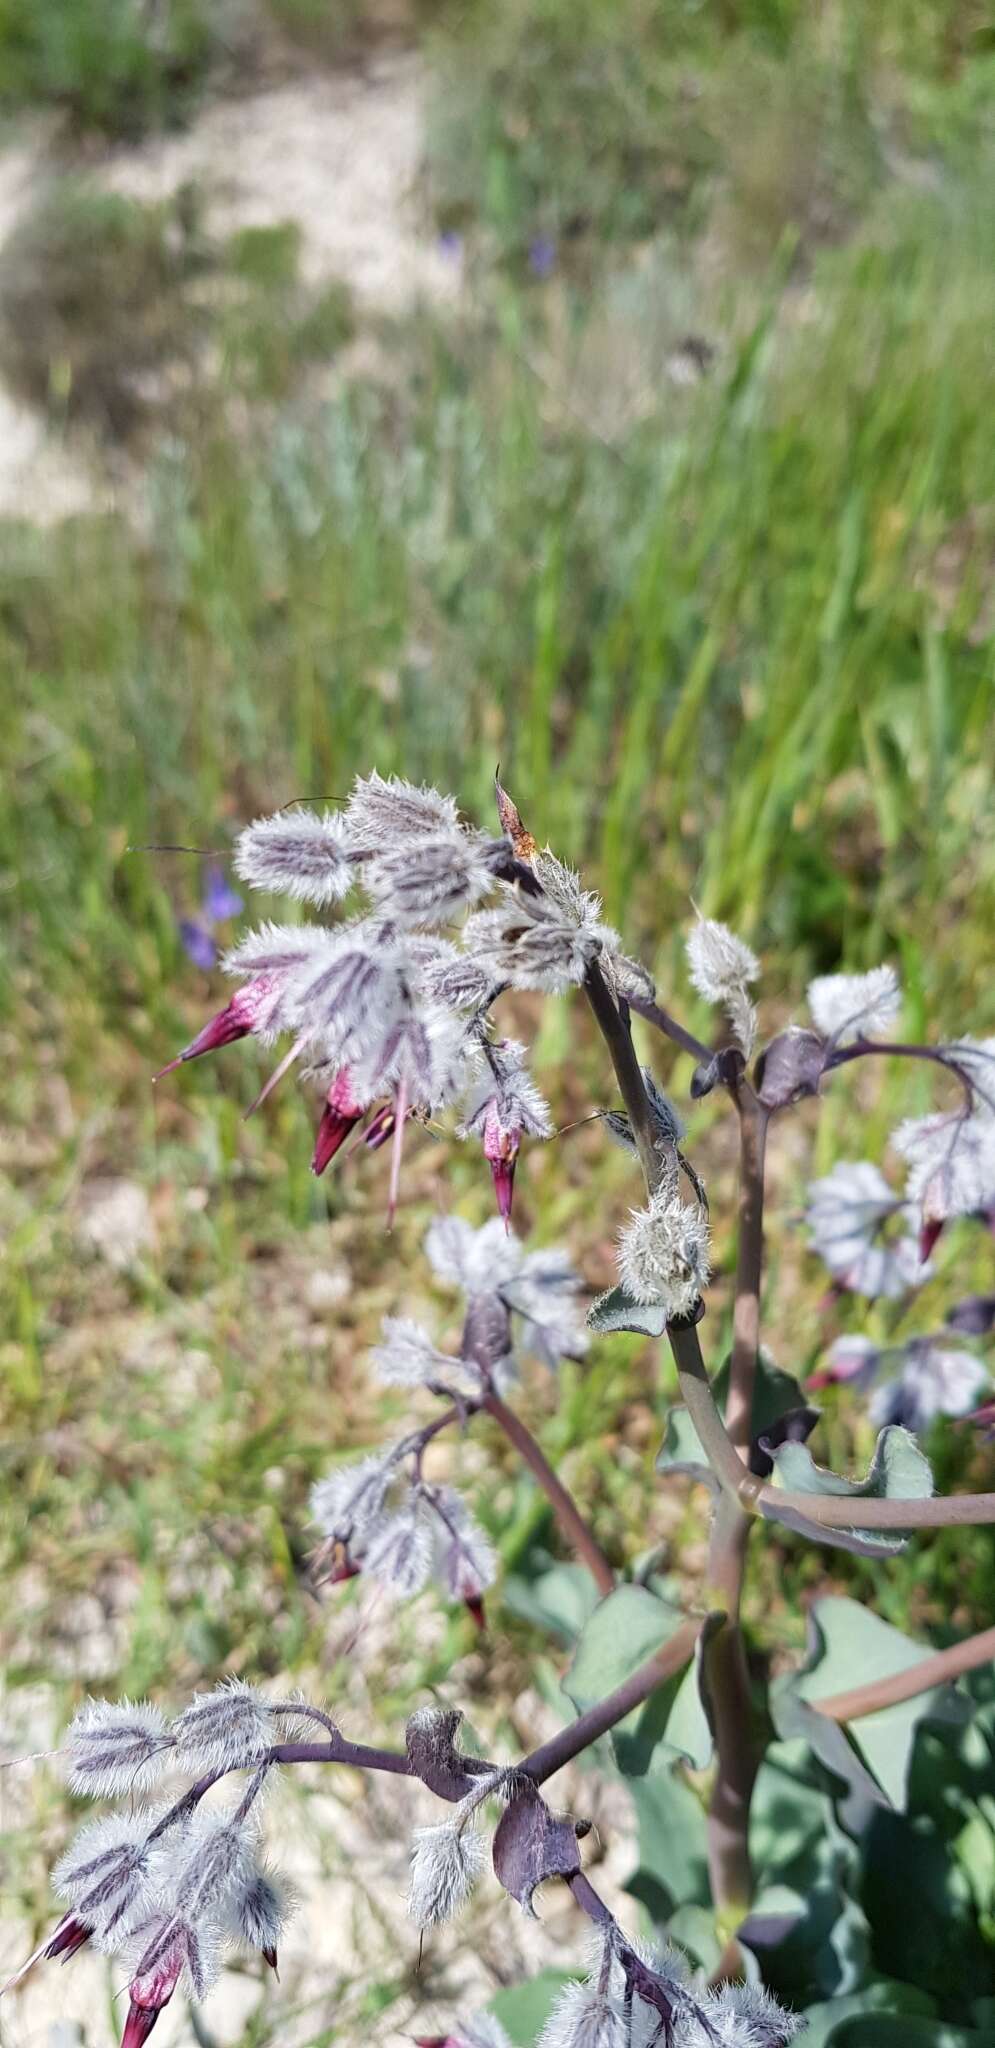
point(898, 1471)
point(775, 1394)
point(616, 1310)
point(853, 1646)
point(623, 1632)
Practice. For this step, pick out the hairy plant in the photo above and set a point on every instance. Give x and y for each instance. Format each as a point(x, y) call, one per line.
point(390, 1012)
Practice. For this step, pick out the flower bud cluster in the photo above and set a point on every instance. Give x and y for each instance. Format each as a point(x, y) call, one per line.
point(389, 1014)
point(169, 1888)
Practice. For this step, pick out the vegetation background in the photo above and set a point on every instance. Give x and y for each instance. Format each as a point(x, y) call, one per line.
point(616, 404)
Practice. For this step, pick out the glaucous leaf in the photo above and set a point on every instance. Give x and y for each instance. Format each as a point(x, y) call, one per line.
point(523, 2009)
point(898, 1471)
point(850, 1645)
point(616, 1310)
point(623, 1632)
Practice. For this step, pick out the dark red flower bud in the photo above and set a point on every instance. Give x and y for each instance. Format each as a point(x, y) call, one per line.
point(70, 1935)
point(340, 1115)
point(270, 1957)
point(927, 1239)
point(475, 1608)
point(238, 1019)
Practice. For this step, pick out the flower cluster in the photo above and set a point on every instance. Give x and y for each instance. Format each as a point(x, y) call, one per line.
point(169, 1888)
point(382, 1517)
point(386, 1009)
point(913, 1382)
point(634, 1998)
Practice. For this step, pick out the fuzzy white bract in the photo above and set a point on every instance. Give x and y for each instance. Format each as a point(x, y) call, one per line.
point(935, 1379)
point(103, 1875)
point(848, 1217)
point(257, 1910)
point(508, 1087)
point(951, 1163)
point(406, 1355)
point(527, 944)
point(386, 812)
point(399, 1551)
point(849, 1006)
point(585, 2017)
point(465, 1563)
point(349, 1502)
point(663, 1254)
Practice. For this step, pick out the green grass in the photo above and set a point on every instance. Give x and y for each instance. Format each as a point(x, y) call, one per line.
point(730, 642)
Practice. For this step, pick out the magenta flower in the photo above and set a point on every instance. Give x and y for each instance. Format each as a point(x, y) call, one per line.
point(250, 1010)
point(339, 1116)
point(506, 1104)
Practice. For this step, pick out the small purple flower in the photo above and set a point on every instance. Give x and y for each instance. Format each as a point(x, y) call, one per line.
point(542, 256)
point(197, 943)
point(451, 245)
point(219, 901)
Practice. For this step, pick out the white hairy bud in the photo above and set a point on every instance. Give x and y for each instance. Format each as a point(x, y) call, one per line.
point(663, 1254)
point(116, 1747)
point(848, 1006)
point(446, 1862)
point(722, 968)
point(297, 853)
point(224, 1730)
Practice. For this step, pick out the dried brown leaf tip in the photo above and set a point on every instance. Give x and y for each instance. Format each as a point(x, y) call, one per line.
point(511, 822)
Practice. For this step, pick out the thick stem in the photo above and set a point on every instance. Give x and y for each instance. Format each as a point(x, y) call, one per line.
point(565, 1509)
point(753, 1121)
point(700, 1403)
point(727, 1686)
point(605, 1714)
point(628, 1075)
point(849, 1511)
point(904, 1685)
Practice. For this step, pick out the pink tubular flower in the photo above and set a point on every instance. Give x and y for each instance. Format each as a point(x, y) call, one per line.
point(340, 1115)
point(501, 1147)
point(504, 1106)
point(250, 1010)
point(149, 1993)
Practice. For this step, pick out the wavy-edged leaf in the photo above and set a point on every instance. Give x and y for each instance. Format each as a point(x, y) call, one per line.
point(849, 1645)
point(898, 1471)
point(623, 1632)
point(616, 1310)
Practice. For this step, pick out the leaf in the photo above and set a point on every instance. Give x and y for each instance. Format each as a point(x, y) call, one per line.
point(531, 1844)
point(616, 1310)
point(561, 1599)
point(850, 1645)
point(878, 1995)
point(776, 1394)
point(898, 1471)
point(524, 2008)
point(673, 1845)
point(828, 1741)
point(623, 1632)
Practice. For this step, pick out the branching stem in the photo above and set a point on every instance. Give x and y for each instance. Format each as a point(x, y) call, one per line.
point(568, 1515)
